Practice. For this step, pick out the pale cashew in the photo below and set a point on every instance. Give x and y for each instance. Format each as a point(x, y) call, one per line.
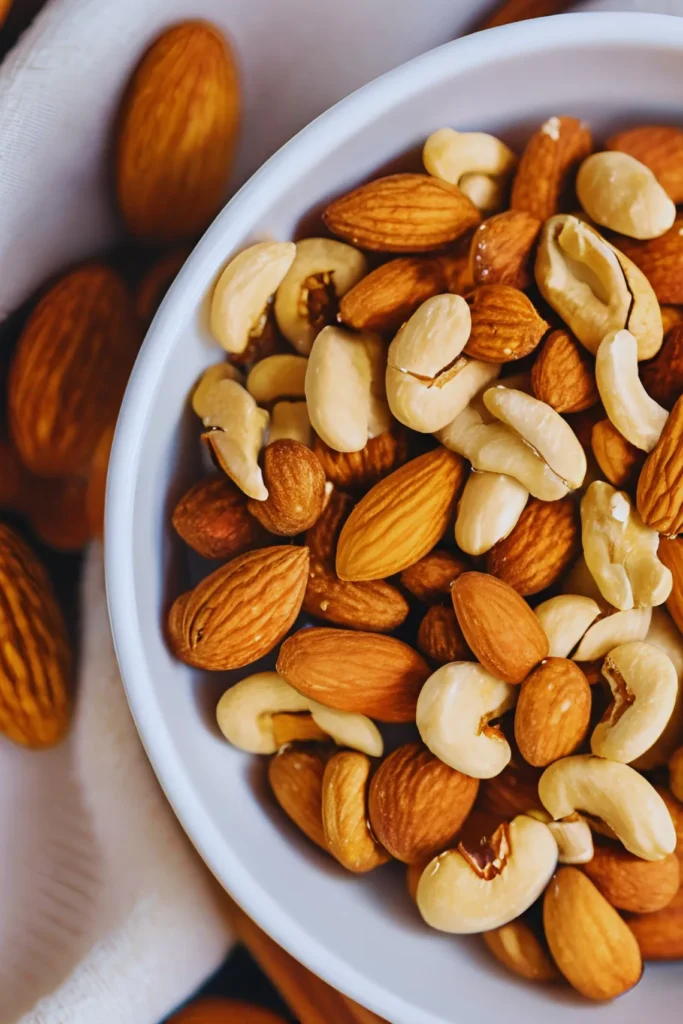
point(348, 729)
point(644, 688)
point(573, 837)
point(620, 551)
point(464, 891)
point(479, 164)
point(565, 619)
point(621, 194)
point(211, 376)
point(580, 580)
point(280, 376)
point(291, 420)
point(665, 635)
point(325, 269)
point(489, 508)
point(345, 388)
point(612, 631)
point(453, 713)
point(487, 194)
point(635, 415)
point(238, 429)
point(242, 293)
point(615, 794)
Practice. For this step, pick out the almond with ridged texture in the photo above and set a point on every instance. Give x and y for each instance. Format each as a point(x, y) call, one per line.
point(502, 249)
point(97, 483)
point(516, 947)
point(499, 626)
point(356, 471)
point(402, 213)
point(372, 674)
point(660, 484)
point(345, 813)
point(659, 147)
point(322, 537)
point(544, 542)
point(224, 1011)
point(544, 179)
point(212, 519)
point(618, 459)
point(417, 803)
point(505, 324)
point(177, 133)
point(662, 376)
point(241, 611)
point(372, 605)
point(296, 489)
point(589, 942)
point(552, 715)
point(389, 295)
point(401, 518)
point(563, 375)
point(432, 577)
point(35, 660)
point(440, 638)
point(670, 552)
point(70, 370)
point(660, 935)
point(660, 259)
point(296, 779)
point(629, 883)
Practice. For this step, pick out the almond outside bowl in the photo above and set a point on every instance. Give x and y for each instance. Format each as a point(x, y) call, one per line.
point(362, 935)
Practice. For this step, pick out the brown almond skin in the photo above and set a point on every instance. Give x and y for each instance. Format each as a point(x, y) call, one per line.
point(373, 605)
point(543, 543)
point(563, 375)
point(662, 376)
point(660, 486)
point(58, 512)
point(544, 178)
point(296, 489)
point(417, 803)
point(431, 579)
point(502, 249)
point(618, 459)
point(224, 1011)
point(156, 282)
point(389, 295)
point(659, 147)
point(505, 324)
point(294, 727)
point(513, 792)
point(670, 552)
point(357, 471)
point(212, 519)
point(440, 638)
point(345, 813)
point(322, 537)
point(375, 675)
point(675, 809)
point(296, 778)
point(660, 935)
point(661, 260)
point(498, 626)
point(516, 947)
point(589, 942)
point(97, 483)
point(553, 712)
point(629, 883)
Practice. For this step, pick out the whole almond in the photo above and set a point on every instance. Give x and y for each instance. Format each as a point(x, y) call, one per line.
point(547, 166)
point(417, 803)
point(440, 638)
point(322, 537)
point(401, 518)
point(589, 942)
point(675, 809)
point(390, 294)
point(402, 213)
point(224, 1011)
point(505, 324)
point(513, 792)
point(241, 611)
point(544, 542)
point(618, 459)
point(660, 484)
point(516, 947)
point(662, 376)
point(499, 626)
point(563, 375)
point(553, 712)
point(670, 552)
point(661, 260)
point(375, 675)
point(660, 935)
point(502, 249)
point(629, 883)
point(356, 471)
point(372, 605)
point(295, 727)
point(432, 577)
point(212, 519)
point(296, 489)
point(345, 813)
point(97, 482)
point(659, 147)
point(296, 778)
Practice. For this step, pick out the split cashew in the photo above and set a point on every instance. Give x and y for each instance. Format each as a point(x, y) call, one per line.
point(631, 410)
point(240, 299)
point(489, 508)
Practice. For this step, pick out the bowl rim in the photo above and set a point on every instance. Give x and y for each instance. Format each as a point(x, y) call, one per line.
point(329, 129)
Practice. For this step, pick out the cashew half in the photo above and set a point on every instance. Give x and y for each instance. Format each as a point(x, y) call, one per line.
point(565, 619)
point(465, 891)
point(291, 420)
point(237, 431)
point(608, 633)
point(635, 415)
point(242, 293)
point(615, 794)
point(280, 376)
point(453, 713)
point(489, 508)
point(478, 163)
point(622, 194)
point(487, 194)
point(665, 635)
point(573, 837)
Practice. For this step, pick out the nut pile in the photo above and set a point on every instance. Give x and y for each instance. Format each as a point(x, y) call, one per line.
point(452, 437)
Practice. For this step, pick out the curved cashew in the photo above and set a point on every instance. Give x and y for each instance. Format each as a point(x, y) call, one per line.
point(489, 508)
point(635, 415)
point(615, 794)
point(453, 713)
point(464, 891)
point(238, 429)
point(573, 837)
point(345, 388)
point(478, 163)
point(565, 619)
point(243, 291)
point(644, 688)
point(323, 271)
point(621, 194)
point(211, 376)
point(665, 635)
point(280, 376)
point(580, 580)
point(613, 630)
point(291, 420)
point(620, 551)
point(348, 729)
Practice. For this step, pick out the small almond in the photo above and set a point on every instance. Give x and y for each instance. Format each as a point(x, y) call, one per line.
point(357, 471)
point(662, 376)
point(513, 792)
point(563, 375)
point(372, 605)
point(670, 552)
point(675, 808)
point(553, 712)
point(505, 324)
point(295, 727)
point(440, 638)
point(432, 577)
point(629, 883)
point(296, 489)
point(660, 935)
point(659, 147)
point(502, 249)
point(618, 459)
point(296, 778)
point(345, 813)
point(322, 537)
point(390, 294)
point(661, 260)
point(212, 519)
point(516, 947)
point(544, 542)
point(660, 484)
point(545, 173)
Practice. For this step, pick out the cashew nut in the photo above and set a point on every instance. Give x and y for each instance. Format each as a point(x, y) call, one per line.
point(237, 430)
point(635, 415)
point(348, 729)
point(322, 272)
point(280, 376)
point(345, 388)
point(479, 164)
point(665, 635)
point(615, 794)
point(453, 713)
point(242, 293)
point(620, 551)
point(579, 580)
point(211, 376)
point(573, 837)
point(489, 508)
point(487, 194)
point(608, 633)
point(468, 890)
point(622, 194)
point(565, 619)
point(644, 688)
point(291, 420)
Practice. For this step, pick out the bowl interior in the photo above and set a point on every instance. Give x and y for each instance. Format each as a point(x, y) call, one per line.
point(361, 934)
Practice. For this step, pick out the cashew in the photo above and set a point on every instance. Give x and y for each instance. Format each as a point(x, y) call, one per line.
point(621, 194)
point(580, 580)
point(487, 194)
point(291, 420)
point(465, 891)
point(211, 376)
point(242, 293)
point(348, 729)
point(635, 415)
point(453, 713)
point(489, 509)
point(613, 630)
point(478, 163)
point(238, 428)
point(322, 272)
point(665, 635)
point(573, 837)
point(620, 551)
point(615, 794)
point(345, 388)
point(644, 688)
point(565, 619)
point(280, 376)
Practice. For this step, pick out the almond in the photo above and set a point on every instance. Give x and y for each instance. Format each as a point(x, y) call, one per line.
point(516, 947)
point(675, 809)
point(499, 626)
point(296, 489)
point(563, 375)
point(241, 611)
point(177, 134)
point(373, 605)
point(13, 478)
point(440, 638)
point(70, 370)
point(35, 660)
point(224, 1011)
point(545, 173)
point(212, 519)
point(618, 459)
point(505, 324)
point(295, 727)
point(544, 542)
point(553, 712)
point(502, 249)
point(401, 518)
point(322, 537)
point(345, 813)
point(417, 803)
point(356, 471)
point(390, 294)
point(57, 511)
point(513, 792)
point(662, 376)
point(372, 674)
point(672, 316)
point(402, 213)
point(629, 883)
point(661, 260)
point(660, 935)
point(432, 577)
point(156, 282)
point(659, 147)
point(589, 942)
point(296, 779)
point(660, 484)
point(670, 552)
point(97, 483)
point(582, 424)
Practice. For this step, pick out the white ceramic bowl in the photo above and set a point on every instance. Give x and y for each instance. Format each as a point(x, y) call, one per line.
point(361, 934)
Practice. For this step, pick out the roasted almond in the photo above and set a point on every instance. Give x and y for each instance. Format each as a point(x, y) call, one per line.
point(629, 883)
point(513, 792)
point(517, 947)
point(544, 179)
point(545, 541)
point(505, 324)
point(296, 489)
point(662, 376)
point(553, 712)
point(390, 294)
point(224, 1011)
point(322, 537)
point(357, 471)
point(296, 779)
point(432, 577)
point(440, 638)
point(295, 727)
point(659, 147)
point(660, 935)
point(563, 375)
point(660, 484)
point(372, 605)
point(670, 552)
point(618, 459)
point(675, 809)
point(212, 519)
point(661, 260)
point(345, 813)
point(502, 249)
